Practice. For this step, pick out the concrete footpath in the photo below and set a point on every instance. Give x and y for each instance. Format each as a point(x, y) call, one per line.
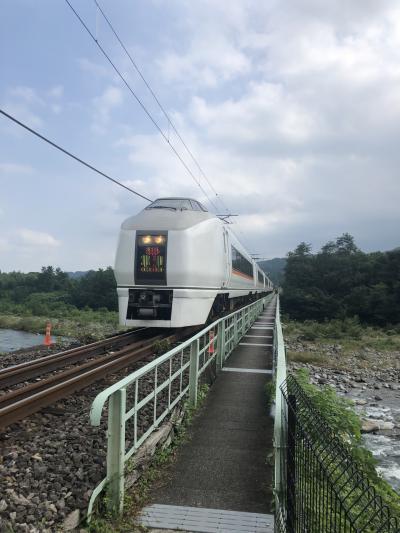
point(222, 479)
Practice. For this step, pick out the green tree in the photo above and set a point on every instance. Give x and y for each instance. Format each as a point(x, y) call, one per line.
point(341, 281)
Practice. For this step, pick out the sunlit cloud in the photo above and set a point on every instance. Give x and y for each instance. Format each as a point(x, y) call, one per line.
point(36, 238)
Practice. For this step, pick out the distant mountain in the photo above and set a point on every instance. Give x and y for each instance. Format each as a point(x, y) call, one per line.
point(274, 268)
point(78, 274)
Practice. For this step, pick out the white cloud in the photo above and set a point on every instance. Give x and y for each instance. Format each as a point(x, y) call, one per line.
point(27, 94)
point(111, 97)
point(36, 238)
point(207, 65)
point(214, 51)
point(14, 168)
point(56, 92)
point(22, 102)
point(93, 68)
point(22, 112)
point(56, 108)
point(103, 105)
point(265, 112)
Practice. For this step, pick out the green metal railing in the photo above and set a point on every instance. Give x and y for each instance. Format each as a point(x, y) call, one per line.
point(279, 372)
point(138, 403)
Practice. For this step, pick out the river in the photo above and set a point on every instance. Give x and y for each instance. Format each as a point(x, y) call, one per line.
point(11, 339)
point(385, 447)
point(386, 451)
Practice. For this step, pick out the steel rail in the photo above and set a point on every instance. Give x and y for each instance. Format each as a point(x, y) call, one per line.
point(65, 383)
point(30, 369)
point(37, 386)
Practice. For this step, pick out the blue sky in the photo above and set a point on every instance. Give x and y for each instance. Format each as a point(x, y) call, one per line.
point(291, 107)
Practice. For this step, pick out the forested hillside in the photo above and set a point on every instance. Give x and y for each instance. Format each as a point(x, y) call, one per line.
point(342, 281)
point(275, 268)
point(54, 292)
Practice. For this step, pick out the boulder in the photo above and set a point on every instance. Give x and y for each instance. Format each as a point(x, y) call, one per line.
point(368, 426)
point(71, 521)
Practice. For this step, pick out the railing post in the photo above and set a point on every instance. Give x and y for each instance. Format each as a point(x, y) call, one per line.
point(116, 450)
point(235, 329)
point(221, 345)
point(194, 372)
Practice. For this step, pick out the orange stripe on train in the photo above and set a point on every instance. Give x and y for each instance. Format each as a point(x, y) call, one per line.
point(238, 273)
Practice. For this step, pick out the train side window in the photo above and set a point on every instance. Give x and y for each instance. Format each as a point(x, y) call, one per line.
point(240, 263)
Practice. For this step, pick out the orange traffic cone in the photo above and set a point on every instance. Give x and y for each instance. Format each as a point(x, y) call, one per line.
point(47, 339)
point(211, 345)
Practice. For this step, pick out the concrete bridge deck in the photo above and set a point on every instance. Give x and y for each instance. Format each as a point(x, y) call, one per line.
point(221, 480)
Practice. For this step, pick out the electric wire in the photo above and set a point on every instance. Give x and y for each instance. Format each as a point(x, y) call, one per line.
point(69, 154)
point(146, 110)
point(139, 101)
point(134, 64)
point(76, 158)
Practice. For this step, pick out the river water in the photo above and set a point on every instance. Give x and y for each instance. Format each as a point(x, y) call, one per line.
point(386, 451)
point(11, 339)
point(385, 445)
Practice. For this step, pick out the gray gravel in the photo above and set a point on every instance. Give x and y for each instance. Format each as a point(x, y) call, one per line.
point(30, 354)
point(51, 462)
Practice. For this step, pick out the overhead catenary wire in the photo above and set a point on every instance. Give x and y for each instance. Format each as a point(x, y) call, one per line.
point(139, 101)
point(163, 110)
point(69, 154)
point(146, 110)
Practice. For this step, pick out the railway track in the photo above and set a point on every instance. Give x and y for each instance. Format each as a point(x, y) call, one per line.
point(22, 372)
point(76, 369)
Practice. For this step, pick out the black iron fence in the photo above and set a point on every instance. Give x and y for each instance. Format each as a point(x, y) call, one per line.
point(321, 487)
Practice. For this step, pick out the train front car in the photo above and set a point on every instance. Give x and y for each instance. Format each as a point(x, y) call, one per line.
point(178, 265)
point(170, 264)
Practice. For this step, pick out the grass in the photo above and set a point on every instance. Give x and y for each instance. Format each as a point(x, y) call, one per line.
point(349, 334)
point(314, 358)
point(269, 389)
point(82, 325)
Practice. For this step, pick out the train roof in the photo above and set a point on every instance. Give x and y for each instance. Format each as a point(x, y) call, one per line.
point(156, 217)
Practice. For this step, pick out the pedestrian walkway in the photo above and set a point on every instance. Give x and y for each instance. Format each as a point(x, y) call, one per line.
point(221, 480)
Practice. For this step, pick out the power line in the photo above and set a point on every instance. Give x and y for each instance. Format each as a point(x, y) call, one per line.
point(140, 103)
point(159, 104)
point(69, 154)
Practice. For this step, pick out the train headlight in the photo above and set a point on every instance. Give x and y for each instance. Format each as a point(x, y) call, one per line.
point(147, 239)
point(159, 239)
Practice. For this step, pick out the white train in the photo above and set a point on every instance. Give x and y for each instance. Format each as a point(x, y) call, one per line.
point(178, 265)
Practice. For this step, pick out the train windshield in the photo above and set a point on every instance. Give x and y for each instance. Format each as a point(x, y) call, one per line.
point(181, 204)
